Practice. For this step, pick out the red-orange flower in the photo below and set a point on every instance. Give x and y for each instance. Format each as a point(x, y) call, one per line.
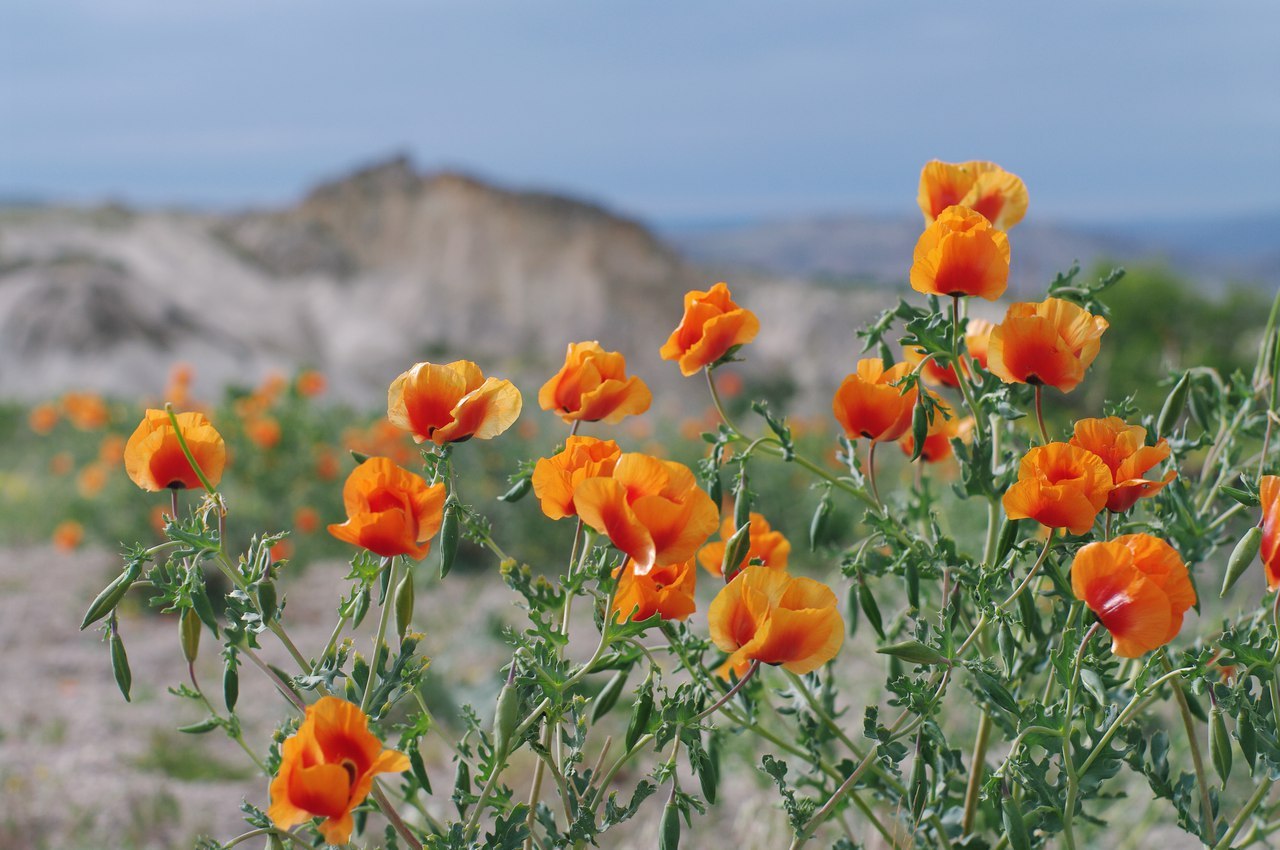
point(327, 768)
point(593, 385)
point(960, 254)
point(390, 511)
point(867, 405)
point(651, 509)
point(451, 403)
point(306, 519)
point(769, 547)
point(43, 418)
point(932, 371)
point(1139, 588)
point(91, 480)
point(555, 478)
point(1052, 342)
point(937, 441)
point(665, 590)
point(1123, 449)
point(85, 411)
point(1269, 496)
point(981, 186)
point(977, 336)
point(769, 616)
point(712, 325)
point(1061, 486)
point(264, 432)
point(68, 535)
point(154, 459)
point(311, 383)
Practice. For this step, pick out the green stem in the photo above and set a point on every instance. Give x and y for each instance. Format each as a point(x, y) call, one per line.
point(1044, 432)
point(1197, 760)
point(1238, 823)
point(380, 636)
point(1073, 776)
point(715, 399)
point(975, 773)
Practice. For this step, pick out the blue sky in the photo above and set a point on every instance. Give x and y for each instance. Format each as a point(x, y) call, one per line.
point(670, 110)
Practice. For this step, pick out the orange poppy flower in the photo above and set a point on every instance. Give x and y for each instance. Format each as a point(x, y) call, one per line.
point(960, 254)
point(327, 467)
point(91, 480)
point(68, 535)
point(85, 411)
point(306, 519)
point(651, 509)
point(937, 441)
point(666, 590)
point(264, 432)
point(451, 403)
point(593, 385)
point(390, 511)
point(977, 336)
point(1139, 588)
point(1269, 494)
point(555, 478)
point(178, 391)
point(769, 547)
point(281, 550)
point(932, 371)
point(1123, 449)
point(712, 325)
point(775, 618)
point(43, 418)
point(154, 459)
point(1052, 342)
point(327, 768)
point(1061, 486)
point(311, 383)
point(981, 186)
point(867, 405)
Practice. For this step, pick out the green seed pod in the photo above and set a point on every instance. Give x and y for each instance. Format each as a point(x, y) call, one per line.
point(361, 607)
point(914, 652)
point(1219, 743)
point(713, 755)
point(1008, 534)
point(1014, 826)
point(919, 428)
point(818, 525)
point(911, 573)
point(231, 682)
point(111, 595)
point(449, 533)
point(867, 602)
point(461, 785)
point(203, 607)
point(189, 634)
point(608, 696)
point(708, 777)
point(919, 784)
point(669, 835)
point(1241, 558)
point(855, 613)
point(735, 550)
point(120, 665)
point(1247, 736)
point(1174, 404)
point(206, 725)
point(267, 600)
point(715, 489)
point(419, 769)
point(996, 691)
point(741, 501)
point(518, 490)
point(404, 604)
point(505, 718)
point(1008, 647)
point(1202, 407)
point(640, 713)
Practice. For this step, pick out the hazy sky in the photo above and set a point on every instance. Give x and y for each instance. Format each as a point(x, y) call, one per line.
point(671, 110)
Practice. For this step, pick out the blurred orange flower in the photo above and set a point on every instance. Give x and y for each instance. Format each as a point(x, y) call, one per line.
point(111, 450)
point(178, 391)
point(770, 616)
point(281, 550)
point(769, 547)
point(327, 467)
point(1050, 343)
point(666, 590)
point(937, 441)
point(556, 478)
point(651, 509)
point(43, 418)
point(154, 459)
point(68, 535)
point(264, 432)
point(158, 517)
point(327, 769)
point(593, 385)
point(451, 403)
point(61, 463)
point(1269, 496)
point(390, 511)
point(712, 324)
point(1139, 588)
point(961, 254)
point(932, 371)
point(311, 383)
point(85, 411)
point(1123, 449)
point(91, 480)
point(977, 336)
point(867, 405)
point(1059, 485)
point(306, 519)
point(981, 186)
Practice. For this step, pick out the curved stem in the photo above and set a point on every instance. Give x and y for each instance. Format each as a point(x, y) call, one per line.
point(871, 473)
point(380, 636)
point(730, 694)
point(1197, 760)
point(1044, 432)
point(715, 399)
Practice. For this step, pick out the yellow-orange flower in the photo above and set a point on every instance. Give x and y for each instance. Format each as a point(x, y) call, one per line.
point(311, 383)
point(154, 459)
point(1123, 449)
point(664, 590)
point(85, 411)
point(960, 254)
point(937, 441)
point(1061, 486)
point(593, 385)
point(327, 768)
point(977, 336)
point(769, 616)
point(390, 511)
point(68, 535)
point(867, 405)
point(981, 186)
point(451, 403)
point(1052, 343)
point(1139, 588)
point(769, 547)
point(651, 509)
point(1269, 495)
point(43, 418)
point(555, 478)
point(712, 325)
point(932, 371)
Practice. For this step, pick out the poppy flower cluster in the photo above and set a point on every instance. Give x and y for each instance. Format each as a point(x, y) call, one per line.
point(667, 591)
point(1122, 447)
point(868, 405)
point(1050, 343)
point(1059, 485)
point(770, 616)
point(451, 403)
point(713, 325)
point(593, 385)
point(984, 187)
point(154, 459)
point(960, 254)
point(390, 511)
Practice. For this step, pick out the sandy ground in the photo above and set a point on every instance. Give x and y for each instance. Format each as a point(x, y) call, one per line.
point(80, 769)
